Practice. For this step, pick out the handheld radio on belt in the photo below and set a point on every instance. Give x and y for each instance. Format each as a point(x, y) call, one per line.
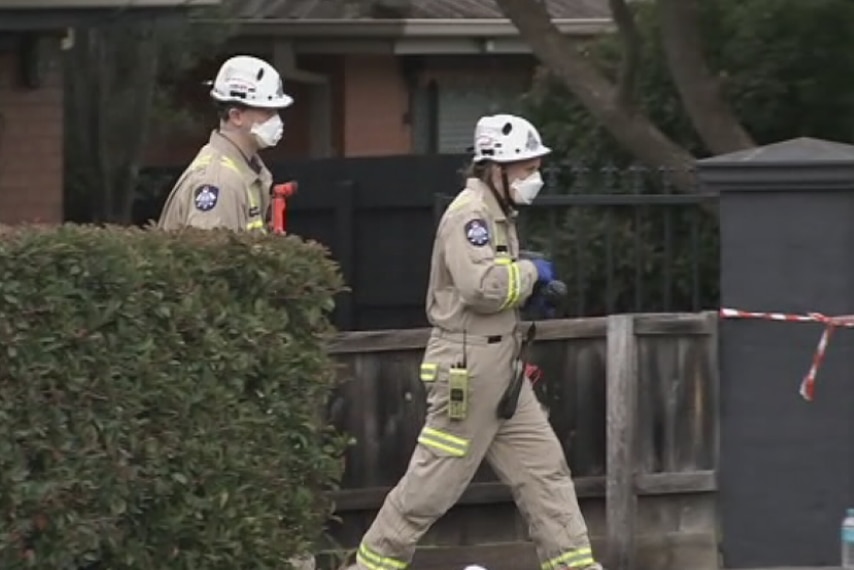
point(458, 384)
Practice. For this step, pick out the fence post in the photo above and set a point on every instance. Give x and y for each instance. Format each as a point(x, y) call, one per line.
point(621, 397)
point(785, 246)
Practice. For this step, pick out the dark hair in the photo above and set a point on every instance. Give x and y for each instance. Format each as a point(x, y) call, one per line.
point(223, 109)
point(479, 170)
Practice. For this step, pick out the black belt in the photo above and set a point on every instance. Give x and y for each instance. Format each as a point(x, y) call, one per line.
point(478, 339)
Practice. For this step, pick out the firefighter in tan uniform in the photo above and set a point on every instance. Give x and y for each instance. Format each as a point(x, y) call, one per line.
point(227, 185)
point(477, 286)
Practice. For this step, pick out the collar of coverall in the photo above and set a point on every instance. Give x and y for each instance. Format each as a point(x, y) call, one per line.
point(480, 188)
point(254, 166)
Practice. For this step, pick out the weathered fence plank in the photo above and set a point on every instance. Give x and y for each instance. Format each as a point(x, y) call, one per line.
point(621, 391)
point(670, 375)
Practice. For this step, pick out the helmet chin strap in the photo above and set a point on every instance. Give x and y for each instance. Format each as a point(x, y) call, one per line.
point(505, 202)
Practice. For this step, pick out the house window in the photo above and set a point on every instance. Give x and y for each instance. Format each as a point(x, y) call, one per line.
point(445, 113)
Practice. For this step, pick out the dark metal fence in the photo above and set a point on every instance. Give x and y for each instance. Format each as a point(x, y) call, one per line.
point(622, 239)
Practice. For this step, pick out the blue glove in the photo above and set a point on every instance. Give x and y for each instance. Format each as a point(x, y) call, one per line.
point(545, 270)
point(540, 307)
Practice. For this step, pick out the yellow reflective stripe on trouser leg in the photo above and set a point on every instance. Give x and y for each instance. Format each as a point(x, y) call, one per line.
point(367, 557)
point(578, 558)
point(428, 372)
point(443, 441)
point(514, 281)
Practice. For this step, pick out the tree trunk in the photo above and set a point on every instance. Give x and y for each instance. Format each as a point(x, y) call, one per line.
point(624, 17)
point(698, 88)
point(109, 114)
point(565, 59)
point(139, 99)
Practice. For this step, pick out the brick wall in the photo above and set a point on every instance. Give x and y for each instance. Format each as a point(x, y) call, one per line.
point(31, 146)
point(376, 100)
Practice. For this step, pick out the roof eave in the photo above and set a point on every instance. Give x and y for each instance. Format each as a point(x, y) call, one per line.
point(36, 16)
point(101, 4)
point(406, 28)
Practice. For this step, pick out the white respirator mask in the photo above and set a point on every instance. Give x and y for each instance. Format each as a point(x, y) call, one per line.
point(526, 189)
point(268, 133)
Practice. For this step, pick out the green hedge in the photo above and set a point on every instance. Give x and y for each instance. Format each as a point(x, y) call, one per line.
point(160, 397)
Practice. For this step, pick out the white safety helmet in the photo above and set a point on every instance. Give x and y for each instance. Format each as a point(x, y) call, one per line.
point(250, 81)
point(507, 138)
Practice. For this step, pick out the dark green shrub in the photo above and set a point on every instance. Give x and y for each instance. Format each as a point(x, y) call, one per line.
point(160, 397)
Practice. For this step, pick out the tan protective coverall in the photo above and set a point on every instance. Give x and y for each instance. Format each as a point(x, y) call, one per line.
point(476, 286)
point(220, 189)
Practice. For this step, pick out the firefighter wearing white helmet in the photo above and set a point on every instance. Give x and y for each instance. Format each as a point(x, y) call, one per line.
point(478, 284)
point(227, 185)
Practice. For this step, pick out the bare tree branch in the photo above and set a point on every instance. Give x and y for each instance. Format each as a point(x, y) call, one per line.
point(564, 58)
point(698, 88)
point(625, 19)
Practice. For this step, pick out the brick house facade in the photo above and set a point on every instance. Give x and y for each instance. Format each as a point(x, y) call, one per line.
point(32, 129)
point(372, 85)
point(31, 144)
point(414, 81)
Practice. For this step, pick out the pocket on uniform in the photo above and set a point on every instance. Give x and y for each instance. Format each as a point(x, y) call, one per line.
point(435, 380)
point(441, 435)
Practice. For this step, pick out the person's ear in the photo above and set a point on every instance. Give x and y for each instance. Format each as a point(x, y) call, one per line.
point(235, 116)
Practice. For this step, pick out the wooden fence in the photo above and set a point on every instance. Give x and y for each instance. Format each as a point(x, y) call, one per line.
point(632, 398)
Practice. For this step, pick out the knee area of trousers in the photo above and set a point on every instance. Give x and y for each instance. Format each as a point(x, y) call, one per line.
point(421, 507)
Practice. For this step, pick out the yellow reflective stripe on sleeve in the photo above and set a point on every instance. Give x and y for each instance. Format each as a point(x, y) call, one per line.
point(200, 162)
point(459, 202)
point(228, 163)
point(428, 372)
point(514, 285)
point(255, 225)
point(450, 444)
point(366, 557)
point(579, 558)
point(514, 281)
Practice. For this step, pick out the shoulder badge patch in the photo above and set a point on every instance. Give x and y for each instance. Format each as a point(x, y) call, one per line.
point(205, 197)
point(477, 232)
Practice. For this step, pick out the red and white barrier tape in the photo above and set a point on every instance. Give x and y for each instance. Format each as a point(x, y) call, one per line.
point(807, 389)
